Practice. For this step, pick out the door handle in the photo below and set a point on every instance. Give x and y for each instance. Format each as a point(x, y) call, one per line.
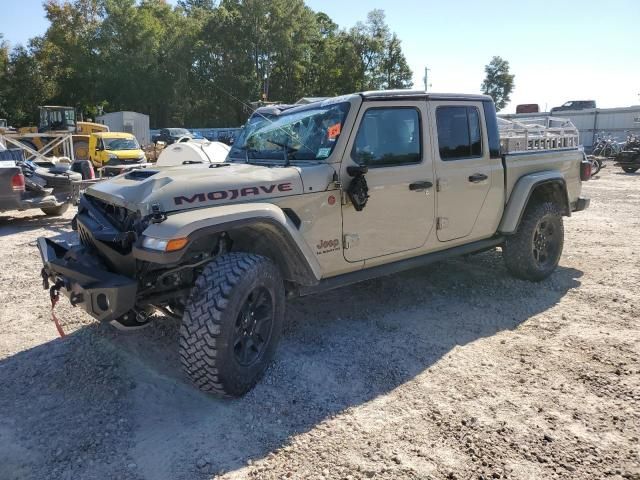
point(477, 177)
point(419, 186)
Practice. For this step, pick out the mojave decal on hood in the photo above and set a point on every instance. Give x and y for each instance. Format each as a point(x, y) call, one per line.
point(193, 186)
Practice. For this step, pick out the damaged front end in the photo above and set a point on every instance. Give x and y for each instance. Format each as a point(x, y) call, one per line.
point(99, 273)
point(110, 274)
point(106, 296)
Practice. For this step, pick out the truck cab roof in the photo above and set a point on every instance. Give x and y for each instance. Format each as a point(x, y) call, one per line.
point(419, 94)
point(113, 135)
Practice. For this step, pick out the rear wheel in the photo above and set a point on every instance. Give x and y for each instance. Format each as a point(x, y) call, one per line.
point(534, 251)
point(232, 323)
point(56, 211)
point(84, 168)
point(630, 169)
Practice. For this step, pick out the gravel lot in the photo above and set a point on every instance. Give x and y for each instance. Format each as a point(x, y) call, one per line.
point(456, 371)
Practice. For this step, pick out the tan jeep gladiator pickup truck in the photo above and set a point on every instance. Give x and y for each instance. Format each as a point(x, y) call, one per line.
point(319, 196)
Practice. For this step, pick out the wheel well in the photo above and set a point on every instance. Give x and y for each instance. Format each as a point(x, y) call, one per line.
point(268, 240)
point(553, 191)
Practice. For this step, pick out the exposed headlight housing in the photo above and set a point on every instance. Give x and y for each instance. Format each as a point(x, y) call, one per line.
point(113, 156)
point(163, 245)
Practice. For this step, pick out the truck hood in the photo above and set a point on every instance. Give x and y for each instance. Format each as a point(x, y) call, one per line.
point(192, 186)
point(127, 154)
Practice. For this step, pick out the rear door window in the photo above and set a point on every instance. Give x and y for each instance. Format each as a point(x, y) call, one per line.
point(459, 132)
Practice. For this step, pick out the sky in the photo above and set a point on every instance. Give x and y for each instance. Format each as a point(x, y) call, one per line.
point(558, 50)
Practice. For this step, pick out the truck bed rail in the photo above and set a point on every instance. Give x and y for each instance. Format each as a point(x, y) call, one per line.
point(544, 133)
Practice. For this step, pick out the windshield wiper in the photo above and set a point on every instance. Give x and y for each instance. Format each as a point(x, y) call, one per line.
point(287, 150)
point(245, 148)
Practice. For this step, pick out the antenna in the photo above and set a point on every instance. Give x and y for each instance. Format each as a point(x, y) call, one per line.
point(426, 79)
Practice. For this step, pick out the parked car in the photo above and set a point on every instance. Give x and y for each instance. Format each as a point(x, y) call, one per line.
point(575, 105)
point(26, 185)
point(114, 148)
point(171, 135)
point(527, 108)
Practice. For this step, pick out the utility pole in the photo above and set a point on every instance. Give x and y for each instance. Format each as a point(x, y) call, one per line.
point(426, 79)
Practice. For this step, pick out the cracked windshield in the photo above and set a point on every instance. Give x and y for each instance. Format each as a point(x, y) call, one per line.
point(301, 134)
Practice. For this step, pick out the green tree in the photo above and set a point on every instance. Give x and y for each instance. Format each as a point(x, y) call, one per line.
point(146, 57)
point(382, 63)
point(4, 66)
point(26, 87)
point(196, 6)
point(68, 52)
point(200, 63)
point(397, 73)
point(498, 83)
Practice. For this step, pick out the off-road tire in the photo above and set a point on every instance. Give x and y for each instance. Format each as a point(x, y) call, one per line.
point(519, 250)
point(630, 169)
point(56, 211)
point(209, 347)
point(84, 168)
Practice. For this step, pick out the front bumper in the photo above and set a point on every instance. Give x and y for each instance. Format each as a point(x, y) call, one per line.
point(580, 204)
point(104, 295)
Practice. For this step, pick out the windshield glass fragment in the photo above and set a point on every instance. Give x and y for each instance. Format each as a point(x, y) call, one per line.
point(300, 134)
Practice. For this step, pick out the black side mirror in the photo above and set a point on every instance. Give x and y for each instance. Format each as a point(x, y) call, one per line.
point(357, 170)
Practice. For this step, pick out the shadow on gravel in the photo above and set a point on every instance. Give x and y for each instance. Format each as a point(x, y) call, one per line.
point(104, 404)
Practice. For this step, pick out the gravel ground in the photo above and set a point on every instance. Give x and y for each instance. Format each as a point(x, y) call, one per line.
point(456, 371)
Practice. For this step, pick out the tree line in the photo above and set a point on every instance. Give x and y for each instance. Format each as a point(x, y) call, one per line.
point(199, 63)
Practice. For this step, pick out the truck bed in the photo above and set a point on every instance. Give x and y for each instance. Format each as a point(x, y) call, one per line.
point(567, 161)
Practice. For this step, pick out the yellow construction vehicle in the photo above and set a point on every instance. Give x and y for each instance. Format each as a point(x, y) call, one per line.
point(56, 121)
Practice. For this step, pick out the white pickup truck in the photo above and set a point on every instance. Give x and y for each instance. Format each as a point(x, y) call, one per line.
point(319, 196)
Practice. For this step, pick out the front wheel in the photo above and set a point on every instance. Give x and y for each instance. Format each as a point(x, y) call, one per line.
point(232, 323)
point(534, 251)
point(595, 167)
point(630, 169)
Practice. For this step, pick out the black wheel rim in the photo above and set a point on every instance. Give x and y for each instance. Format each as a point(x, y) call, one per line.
point(253, 327)
point(546, 239)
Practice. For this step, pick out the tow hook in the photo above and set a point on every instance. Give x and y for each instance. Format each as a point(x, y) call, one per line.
point(157, 215)
point(45, 279)
point(54, 294)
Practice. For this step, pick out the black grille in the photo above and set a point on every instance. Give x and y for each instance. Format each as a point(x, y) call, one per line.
point(119, 217)
point(86, 238)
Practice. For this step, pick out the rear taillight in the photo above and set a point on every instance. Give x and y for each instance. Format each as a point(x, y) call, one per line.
point(585, 171)
point(17, 182)
point(92, 172)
